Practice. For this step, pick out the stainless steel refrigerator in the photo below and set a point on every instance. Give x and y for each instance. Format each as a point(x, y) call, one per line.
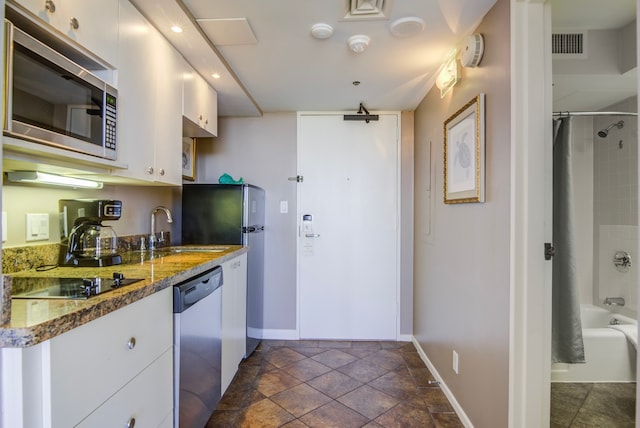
point(231, 214)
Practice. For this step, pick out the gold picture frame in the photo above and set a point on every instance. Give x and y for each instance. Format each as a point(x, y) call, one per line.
point(189, 159)
point(464, 169)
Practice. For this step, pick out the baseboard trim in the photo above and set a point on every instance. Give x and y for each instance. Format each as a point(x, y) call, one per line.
point(277, 334)
point(443, 386)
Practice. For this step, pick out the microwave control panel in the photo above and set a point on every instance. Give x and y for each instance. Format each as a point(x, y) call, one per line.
point(110, 123)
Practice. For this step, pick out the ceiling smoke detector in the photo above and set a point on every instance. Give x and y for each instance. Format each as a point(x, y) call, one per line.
point(321, 30)
point(472, 51)
point(358, 43)
point(407, 27)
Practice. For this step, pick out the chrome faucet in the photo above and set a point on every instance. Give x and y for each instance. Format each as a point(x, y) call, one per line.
point(614, 301)
point(152, 237)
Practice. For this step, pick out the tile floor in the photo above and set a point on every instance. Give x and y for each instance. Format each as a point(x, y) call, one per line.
point(593, 405)
point(334, 384)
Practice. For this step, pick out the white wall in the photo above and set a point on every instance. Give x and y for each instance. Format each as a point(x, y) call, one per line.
point(462, 260)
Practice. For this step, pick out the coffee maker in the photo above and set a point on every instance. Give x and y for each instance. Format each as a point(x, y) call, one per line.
point(84, 240)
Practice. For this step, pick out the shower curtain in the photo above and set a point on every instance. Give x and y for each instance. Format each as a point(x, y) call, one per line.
point(566, 345)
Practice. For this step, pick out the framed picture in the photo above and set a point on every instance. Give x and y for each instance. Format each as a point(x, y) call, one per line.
point(189, 158)
point(464, 154)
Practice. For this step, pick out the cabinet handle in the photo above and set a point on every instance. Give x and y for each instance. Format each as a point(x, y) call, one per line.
point(150, 170)
point(200, 117)
point(161, 171)
point(50, 6)
point(131, 423)
point(74, 23)
point(131, 344)
point(206, 122)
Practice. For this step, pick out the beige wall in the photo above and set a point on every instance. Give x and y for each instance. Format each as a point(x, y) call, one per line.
point(262, 151)
point(461, 289)
point(137, 203)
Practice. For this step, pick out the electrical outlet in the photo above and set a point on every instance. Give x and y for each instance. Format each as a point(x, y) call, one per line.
point(455, 362)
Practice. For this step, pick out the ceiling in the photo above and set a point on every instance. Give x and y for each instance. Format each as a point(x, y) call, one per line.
point(269, 61)
point(581, 88)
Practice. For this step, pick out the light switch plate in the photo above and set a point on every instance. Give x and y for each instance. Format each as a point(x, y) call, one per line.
point(37, 227)
point(284, 207)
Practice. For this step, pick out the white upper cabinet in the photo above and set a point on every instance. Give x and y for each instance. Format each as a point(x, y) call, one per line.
point(149, 102)
point(93, 24)
point(200, 107)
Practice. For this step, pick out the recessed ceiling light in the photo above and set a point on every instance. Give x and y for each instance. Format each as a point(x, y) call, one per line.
point(216, 75)
point(407, 27)
point(176, 29)
point(321, 30)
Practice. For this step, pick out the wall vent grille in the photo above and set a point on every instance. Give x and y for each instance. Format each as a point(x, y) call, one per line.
point(567, 44)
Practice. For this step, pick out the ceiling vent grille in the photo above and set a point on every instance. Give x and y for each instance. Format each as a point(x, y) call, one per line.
point(367, 9)
point(568, 44)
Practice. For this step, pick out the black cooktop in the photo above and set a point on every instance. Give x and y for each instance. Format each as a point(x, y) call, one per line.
point(66, 288)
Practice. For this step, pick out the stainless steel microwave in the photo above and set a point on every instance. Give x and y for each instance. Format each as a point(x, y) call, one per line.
point(51, 100)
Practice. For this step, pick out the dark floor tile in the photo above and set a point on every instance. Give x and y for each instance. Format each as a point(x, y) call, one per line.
point(435, 400)
point(360, 352)
point(306, 369)
point(302, 343)
point(246, 376)
point(368, 401)
point(283, 357)
point(412, 359)
point(310, 352)
point(334, 358)
point(422, 376)
point(397, 383)
point(335, 344)
point(224, 419)
point(233, 398)
point(295, 424)
point(264, 414)
point(255, 359)
point(300, 400)
point(373, 424)
point(447, 420)
point(275, 381)
point(588, 418)
point(363, 370)
point(366, 344)
point(334, 384)
point(566, 400)
point(406, 416)
point(390, 359)
point(334, 415)
point(603, 401)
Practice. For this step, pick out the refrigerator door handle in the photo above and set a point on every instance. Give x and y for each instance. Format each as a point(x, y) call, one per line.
point(252, 229)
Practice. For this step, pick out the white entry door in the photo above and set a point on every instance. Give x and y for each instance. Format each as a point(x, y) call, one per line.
point(348, 231)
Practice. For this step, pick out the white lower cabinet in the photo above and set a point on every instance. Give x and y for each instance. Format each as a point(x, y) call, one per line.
point(104, 373)
point(234, 317)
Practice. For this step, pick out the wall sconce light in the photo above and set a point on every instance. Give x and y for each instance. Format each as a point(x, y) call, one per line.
point(38, 177)
point(448, 75)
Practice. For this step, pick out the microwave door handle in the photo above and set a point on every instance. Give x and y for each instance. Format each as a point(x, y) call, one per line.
point(8, 72)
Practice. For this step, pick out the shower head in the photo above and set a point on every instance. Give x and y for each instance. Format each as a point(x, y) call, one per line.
point(604, 132)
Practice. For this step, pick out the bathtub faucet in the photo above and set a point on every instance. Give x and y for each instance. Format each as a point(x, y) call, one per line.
point(614, 301)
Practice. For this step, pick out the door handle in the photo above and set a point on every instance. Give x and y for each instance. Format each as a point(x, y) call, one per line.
point(312, 235)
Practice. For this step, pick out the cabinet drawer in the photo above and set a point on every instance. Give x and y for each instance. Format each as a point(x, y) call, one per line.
point(148, 399)
point(90, 363)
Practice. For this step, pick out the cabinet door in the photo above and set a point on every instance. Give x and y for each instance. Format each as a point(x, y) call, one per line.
point(200, 107)
point(97, 22)
point(90, 363)
point(136, 94)
point(168, 115)
point(144, 402)
point(234, 324)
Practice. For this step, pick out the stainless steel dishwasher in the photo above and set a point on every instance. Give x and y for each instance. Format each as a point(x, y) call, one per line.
point(197, 324)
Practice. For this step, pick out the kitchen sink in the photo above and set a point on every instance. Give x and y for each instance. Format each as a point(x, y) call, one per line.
point(138, 256)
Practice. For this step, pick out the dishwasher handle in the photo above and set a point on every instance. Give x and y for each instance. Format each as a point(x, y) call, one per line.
point(191, 291)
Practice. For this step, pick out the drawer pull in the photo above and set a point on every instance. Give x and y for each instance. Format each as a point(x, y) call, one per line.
point(131, 423)
point(131, 344)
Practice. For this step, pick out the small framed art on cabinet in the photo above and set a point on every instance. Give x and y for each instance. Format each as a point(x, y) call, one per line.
point(189, 158)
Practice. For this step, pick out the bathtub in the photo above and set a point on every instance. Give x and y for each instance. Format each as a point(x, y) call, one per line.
point(609, 355)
